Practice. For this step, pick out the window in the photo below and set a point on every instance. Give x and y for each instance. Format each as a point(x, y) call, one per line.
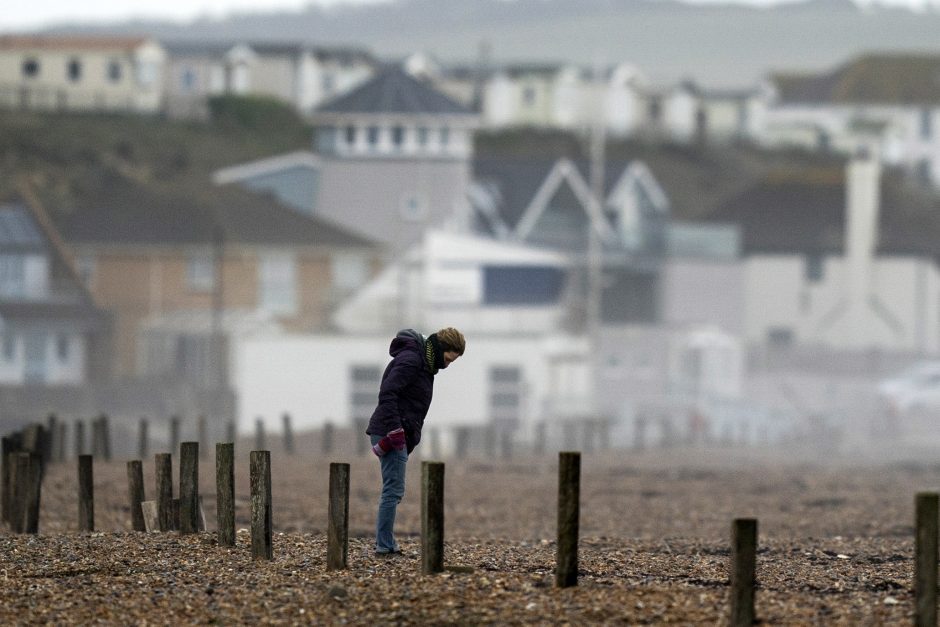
point(200, 272)
point(12, 275)
point(31, 68)
point(926, 123)
point(505, 394)
point(779, 337)
point(364, 383)
point(9, 346)
point(62, 347)
point(813, 269)
point(351, 135)
point(445, 136)
point(422, 136)
point(278, 283)
point(349, 271)
point(372, 136)
point(115, 71)
point(74, 70)
point(528, 96)
point(398, 137)
point(522, 285)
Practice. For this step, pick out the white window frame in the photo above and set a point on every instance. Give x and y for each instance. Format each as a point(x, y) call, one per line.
point(277, 283)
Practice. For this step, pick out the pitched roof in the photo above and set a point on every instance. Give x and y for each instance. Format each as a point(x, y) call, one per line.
point(393, 90)
point(128, 214)
point(894, 79)
point(70, 42)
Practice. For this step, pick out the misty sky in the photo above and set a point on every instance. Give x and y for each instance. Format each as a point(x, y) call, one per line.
point(32, 14)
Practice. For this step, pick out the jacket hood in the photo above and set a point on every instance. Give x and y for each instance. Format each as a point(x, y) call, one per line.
point(406, 338)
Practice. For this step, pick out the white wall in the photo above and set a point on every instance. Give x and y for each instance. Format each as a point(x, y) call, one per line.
point(308, 376)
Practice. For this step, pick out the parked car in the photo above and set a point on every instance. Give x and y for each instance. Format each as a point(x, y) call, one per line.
point(914, 390)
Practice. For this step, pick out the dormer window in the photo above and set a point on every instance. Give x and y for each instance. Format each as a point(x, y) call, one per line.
point(422, 136)
point(350, 135)
point(372, 136)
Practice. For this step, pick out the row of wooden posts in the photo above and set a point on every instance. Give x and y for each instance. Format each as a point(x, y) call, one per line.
point(21, 510)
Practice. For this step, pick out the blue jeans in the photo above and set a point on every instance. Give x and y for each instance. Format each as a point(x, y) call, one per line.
point(393, 489)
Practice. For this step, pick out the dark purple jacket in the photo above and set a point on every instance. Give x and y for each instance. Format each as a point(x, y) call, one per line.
point(406, 390)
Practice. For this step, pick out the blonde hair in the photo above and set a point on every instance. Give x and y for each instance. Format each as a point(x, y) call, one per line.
point(451, 339)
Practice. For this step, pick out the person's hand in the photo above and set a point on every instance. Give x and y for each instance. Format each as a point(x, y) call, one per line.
point(394, 440)
point(397, 438)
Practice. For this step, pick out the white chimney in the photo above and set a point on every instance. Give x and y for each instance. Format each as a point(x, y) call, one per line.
point(862, 199)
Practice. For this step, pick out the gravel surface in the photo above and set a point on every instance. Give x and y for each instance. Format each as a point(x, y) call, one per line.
point(835, 546)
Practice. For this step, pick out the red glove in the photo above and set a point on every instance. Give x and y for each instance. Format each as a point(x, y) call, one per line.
point(394, 440)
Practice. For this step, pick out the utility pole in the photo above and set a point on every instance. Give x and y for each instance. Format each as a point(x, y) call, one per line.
point(594, 261)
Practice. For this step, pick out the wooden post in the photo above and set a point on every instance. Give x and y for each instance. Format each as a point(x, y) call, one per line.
point(6, 483)
point(925, 563)
point(362, 441)
point(151, 517)
point(86, 493)
point(327, 437)
point(569, 497)
point(432, 517)
point(31, 489)
point(743, 570)
point(19, 477)
point(338, 514)
point(288, 434)
point(225, 492)
point(79, 438)
point(260, 479)
point(163, 473)
point(143, 439)
point(135, 494)
point(105, 434)
point(60, 441)
point(189, 487)
point(174, 434)
point(52, 439)
point(202, 436)
point(259, 433)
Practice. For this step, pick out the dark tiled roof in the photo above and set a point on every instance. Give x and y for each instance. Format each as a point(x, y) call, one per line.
point(895, 79)
point(126, 214)
point(393, 90)
point(803, 211)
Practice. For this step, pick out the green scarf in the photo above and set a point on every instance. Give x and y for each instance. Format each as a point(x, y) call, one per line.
point(433, 354)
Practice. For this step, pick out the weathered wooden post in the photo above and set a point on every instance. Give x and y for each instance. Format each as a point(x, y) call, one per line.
point(569, 505)
point(32, 492)
point(327, 437)
point(163, 473)
point(174, 434)
point(743, 570)
point(35, 439)
point(143, 438)
point(338, 514)
point(52, 437)
point(79, 438)
point(189, 487)
point(225, 492)
point(925, 563)
point(260, 479)
point(288, 434)
point(362, 442)
point(19, 477)
point(202, 436)
point(135, 494)
point(60, 438)
point(463, 442)
point(86, 493)
point(432, 517)
point(259, 434)
point(6, 480)
point(105, 435)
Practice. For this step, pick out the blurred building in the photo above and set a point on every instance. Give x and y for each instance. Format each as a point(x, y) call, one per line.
point(892, 98)
point(81, 73)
